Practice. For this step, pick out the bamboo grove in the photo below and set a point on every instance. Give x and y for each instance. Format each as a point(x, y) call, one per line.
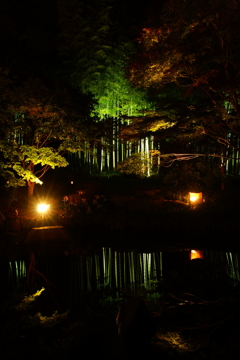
point(165, 98)
point(118, 271)
point(97, 53)
point(141, 86)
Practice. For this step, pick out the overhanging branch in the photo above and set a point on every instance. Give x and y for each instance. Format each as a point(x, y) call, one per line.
point(169, 159)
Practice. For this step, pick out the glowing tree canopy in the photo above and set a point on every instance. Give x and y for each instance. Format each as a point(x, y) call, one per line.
point(35, 131)
point(197, 47)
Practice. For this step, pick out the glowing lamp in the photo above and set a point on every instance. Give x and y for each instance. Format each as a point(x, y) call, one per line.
point(195, 198)
point(196, 254)
point(43, 208)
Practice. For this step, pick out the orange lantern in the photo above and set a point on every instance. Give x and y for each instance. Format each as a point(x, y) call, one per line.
point(195, 198)
point(196, 254)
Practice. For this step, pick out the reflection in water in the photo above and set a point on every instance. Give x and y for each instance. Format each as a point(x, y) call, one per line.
point(217, 272)
point(17, 273)
point(233, 266)
point(115, 270)
point(196, 254)
point(174, 340)
point(224, 264)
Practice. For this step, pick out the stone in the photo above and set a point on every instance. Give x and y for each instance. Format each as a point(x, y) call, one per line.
point(135, 325)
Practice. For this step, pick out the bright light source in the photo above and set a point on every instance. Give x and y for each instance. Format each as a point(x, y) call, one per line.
point(196, 254)
point(42, 208)
point(195, 198)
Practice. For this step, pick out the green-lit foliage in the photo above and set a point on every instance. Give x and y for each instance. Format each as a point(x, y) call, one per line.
point(23, 305)
point(198, 51)
point(96, 51)
point(142, 164)
point(35, 131)
point(115, 95)
point(17, 273)
point(116, 271)
point(47, 321)
point(24, 331)
point(96, 56)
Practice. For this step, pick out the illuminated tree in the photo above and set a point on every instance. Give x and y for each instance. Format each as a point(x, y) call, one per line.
point(95, 47)
point(197, 47)
point(35, 131)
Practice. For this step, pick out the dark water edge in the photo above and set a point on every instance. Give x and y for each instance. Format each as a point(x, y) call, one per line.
point(191, 324)
point(187, 326)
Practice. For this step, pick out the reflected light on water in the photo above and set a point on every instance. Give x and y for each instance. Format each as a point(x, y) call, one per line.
point(174, 340)
point(196, 254)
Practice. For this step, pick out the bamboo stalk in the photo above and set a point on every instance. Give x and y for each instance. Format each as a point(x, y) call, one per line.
point(116, 268)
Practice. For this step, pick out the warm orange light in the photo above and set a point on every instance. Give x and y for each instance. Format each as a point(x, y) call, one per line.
point(196, 254)
point(195, 198)
point(42, 208)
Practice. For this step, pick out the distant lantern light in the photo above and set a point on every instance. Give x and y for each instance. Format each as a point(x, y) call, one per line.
point(196, 254)
point(195, 198)
point(71, 182)
point(43, 208)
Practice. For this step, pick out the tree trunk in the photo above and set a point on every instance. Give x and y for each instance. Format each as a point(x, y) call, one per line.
point(223, 168)
point(30, 185)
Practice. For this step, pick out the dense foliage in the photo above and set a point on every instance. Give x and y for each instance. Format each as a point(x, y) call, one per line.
point(35, 130)
point(183, 94)
point(196, 46)
point(94, 49)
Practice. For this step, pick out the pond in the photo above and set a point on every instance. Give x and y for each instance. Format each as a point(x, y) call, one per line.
point(118, 272)
point(189, 301)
